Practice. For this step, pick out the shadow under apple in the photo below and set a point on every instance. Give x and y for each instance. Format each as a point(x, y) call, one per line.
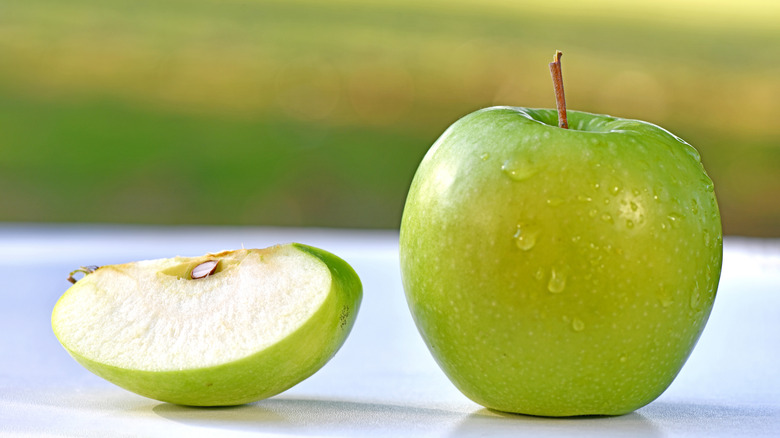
point(496, 423)
point(284, 415)
point(713, 419)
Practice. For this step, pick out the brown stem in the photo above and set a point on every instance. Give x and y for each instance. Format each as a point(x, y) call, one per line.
point(560, 98)
point(85, 270)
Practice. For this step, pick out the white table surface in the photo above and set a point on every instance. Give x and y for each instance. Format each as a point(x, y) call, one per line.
point(383, 382)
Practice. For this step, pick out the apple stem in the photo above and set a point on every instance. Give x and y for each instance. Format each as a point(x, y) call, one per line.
point(86, 270)
point(560, 98)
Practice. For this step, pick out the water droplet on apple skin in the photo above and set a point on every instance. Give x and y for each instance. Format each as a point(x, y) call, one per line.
point(583, 198)
point(694, 206)
point(577, 324)
point(557, 281)
point(696, 299)
point(674, 219)
point(665, 297)
point(518, 169)
point(555, 202)
point(709, 186)
point(525, 236)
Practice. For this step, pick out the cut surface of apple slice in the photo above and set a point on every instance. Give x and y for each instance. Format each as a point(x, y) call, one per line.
point(221, 329)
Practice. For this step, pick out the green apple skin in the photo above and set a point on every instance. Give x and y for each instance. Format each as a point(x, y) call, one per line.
point(265, 373)
point(560, 272)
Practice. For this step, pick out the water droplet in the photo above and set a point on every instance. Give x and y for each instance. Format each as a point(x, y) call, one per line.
point(694, 206)
point(484, 156)
point(665, 297)
point(539, 274)
point(606, 217)
point(623, 358)
point(554, 202)
point(675, 218)
point(708, 185)
point(634, 206)
point(695, 298)
point(525, 236)
point(577, 325)
point(518, 169)
point(557, 281)
point(629, 223)
point(614, 190)
point(593, 212)
point(583, 198)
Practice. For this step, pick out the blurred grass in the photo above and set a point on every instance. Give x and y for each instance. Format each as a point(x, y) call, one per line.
point(317, 113)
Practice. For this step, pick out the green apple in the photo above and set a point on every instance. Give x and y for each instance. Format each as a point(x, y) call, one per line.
point(221, 329)
point(560, 272)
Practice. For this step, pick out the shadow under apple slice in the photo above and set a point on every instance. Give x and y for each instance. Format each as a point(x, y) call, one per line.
point(310, 415)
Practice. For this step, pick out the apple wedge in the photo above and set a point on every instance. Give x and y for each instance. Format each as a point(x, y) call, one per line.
point(222, 329)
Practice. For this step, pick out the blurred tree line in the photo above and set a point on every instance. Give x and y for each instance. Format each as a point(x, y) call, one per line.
point(309, 113)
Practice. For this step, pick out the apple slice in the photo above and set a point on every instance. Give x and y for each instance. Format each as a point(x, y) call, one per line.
point(223, 329)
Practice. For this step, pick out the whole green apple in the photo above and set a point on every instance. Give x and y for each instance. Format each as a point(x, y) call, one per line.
point(221, 329)
point(560, 272)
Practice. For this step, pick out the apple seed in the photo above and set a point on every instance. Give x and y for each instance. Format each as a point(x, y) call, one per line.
point(204, 269)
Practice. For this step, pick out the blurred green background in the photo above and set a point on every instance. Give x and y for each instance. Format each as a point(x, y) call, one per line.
point(310, 113)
